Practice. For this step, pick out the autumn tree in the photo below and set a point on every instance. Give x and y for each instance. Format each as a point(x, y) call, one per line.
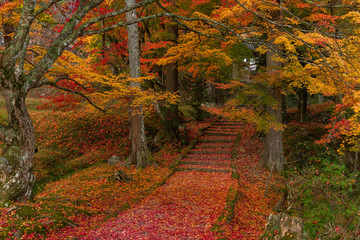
point(18, 77)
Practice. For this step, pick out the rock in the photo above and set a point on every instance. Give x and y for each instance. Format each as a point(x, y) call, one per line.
point(114, 160)
point(18, 234)
point(120, 176)
point(4, 165)
point(282, 226)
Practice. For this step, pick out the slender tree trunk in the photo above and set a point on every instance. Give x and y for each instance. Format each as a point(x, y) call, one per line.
point(171, 125)
point(302, 104)
point(140, 155)
point(320, 98)
point(284, 109)
point(274, 154)
point(16, 176)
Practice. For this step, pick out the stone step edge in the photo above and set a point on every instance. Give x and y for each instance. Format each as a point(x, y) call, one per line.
point(202, 170)
point(216, 141)
point(205, 163)
point(197, 151)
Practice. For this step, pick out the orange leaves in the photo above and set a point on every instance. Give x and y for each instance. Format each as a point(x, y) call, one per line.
point(10, 12)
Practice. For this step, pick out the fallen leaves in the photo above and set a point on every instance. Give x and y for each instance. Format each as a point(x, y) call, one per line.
point(186, 207)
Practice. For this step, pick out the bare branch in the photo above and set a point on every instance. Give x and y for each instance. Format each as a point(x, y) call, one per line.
point(115, 13)
point(72, 80)
point(75, 92)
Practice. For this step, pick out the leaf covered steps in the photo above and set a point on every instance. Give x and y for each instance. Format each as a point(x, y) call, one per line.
point(217, 141)
point(203, 170)
point(213, 151)
point(210, 146)
point(205, 151)
point(220, 134)
point(205, 163)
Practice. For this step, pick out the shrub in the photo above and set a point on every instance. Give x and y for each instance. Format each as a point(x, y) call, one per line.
point(78, 132)
point(326, 196)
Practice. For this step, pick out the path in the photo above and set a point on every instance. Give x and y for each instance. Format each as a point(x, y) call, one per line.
point(190, 202)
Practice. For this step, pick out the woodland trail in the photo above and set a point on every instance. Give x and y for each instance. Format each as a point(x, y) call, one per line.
point(189, 204)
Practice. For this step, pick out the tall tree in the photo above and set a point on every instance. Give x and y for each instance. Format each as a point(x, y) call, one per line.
point(302, 104)
point(171, 126)
point(140, 155)
point(274, 153)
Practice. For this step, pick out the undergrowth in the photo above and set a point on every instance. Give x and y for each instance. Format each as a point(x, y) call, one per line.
point(320, 188)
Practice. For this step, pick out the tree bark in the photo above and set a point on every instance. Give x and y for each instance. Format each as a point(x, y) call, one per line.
point(16, 176)
point(302, 104)
point(284, 109)
point(171, 124)
point(140, 155)
point(274, 154)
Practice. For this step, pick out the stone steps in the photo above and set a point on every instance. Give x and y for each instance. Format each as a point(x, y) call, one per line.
point(217, 158)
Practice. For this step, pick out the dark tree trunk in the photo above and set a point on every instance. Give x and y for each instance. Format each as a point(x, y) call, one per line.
point(351, 160)
point(284, 109)
point(16, 177)
point(217, 94)
point(140, 155)
point(171, 116)
point(302, 104)
point(338, 99)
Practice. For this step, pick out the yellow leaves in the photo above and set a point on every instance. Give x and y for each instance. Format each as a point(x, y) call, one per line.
point(353, 16)
point(314, 38)
point(262, 49)
point(286, 42)
point(204, 55)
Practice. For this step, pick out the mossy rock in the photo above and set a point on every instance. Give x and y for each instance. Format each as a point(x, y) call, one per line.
point(284, 227)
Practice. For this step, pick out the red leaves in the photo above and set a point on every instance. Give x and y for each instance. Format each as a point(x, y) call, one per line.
point(253, 208)
point(185, 207)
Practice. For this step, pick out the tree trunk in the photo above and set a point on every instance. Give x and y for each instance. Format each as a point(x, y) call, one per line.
point(302, 104)
point(171, 125)
point(274, 154)
point(16, 176)
point(285, 118)
point(320, 99)
point(140, 155)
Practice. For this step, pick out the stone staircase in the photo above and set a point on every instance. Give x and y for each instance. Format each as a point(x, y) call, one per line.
point(213, 151)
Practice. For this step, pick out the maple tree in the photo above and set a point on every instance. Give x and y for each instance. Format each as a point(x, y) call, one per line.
point(19, 76)
point(310, 42)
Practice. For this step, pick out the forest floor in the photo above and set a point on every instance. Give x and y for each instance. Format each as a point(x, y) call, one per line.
point(216, 192)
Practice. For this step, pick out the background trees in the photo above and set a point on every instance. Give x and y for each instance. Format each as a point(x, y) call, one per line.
point(312, 45)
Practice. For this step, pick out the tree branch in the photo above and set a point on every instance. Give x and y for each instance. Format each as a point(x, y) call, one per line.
point(45, 7)
point(115, 13)
point(63, 40)
point(77, 93)
point(73, 80)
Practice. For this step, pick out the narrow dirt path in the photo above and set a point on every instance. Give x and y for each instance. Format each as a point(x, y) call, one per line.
point(189, 204)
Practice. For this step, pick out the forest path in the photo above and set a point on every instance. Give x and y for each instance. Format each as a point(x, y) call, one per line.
point(189, 204)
